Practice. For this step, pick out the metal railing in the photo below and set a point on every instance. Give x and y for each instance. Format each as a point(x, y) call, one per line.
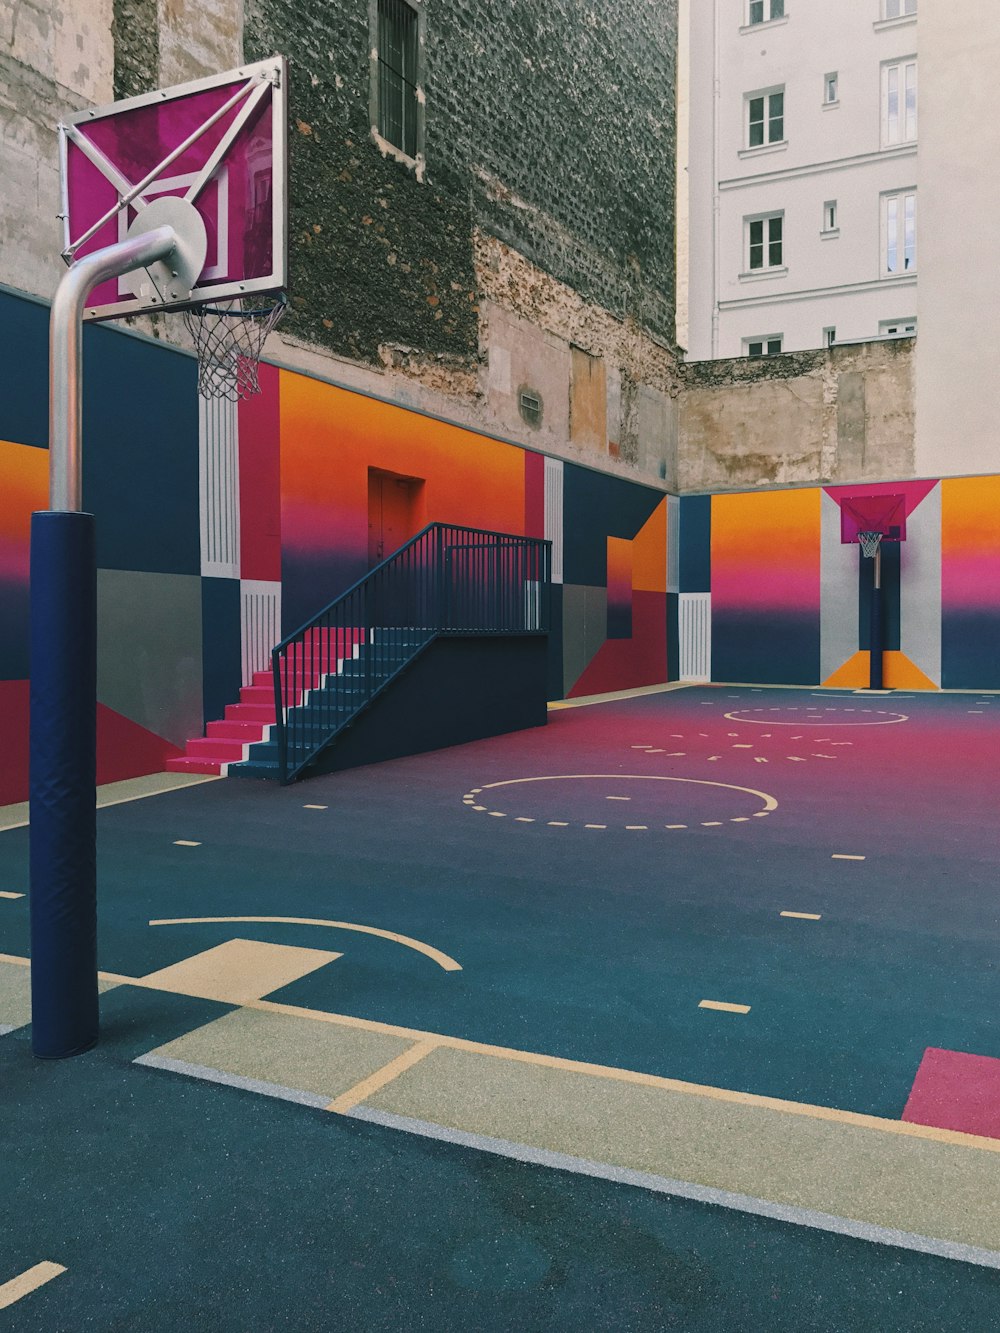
point(445, 580)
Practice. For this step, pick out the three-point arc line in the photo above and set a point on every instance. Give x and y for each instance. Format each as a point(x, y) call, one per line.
point(442, 959)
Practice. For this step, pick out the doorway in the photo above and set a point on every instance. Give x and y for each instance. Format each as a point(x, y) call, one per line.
point(395, 511)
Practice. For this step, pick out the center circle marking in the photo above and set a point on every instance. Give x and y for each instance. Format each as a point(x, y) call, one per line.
point(880, 718)
point(479, 799)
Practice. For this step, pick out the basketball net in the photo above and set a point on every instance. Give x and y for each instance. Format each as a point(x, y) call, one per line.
point(229, 338)
point(869, 542)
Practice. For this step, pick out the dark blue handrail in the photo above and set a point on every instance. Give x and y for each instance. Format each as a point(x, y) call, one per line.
point(448, 579)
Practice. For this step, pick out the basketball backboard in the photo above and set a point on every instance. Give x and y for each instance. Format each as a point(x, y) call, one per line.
point(220, 144)
point(873, 513)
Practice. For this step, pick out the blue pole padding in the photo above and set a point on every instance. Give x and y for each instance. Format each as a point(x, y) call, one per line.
point(63, 828)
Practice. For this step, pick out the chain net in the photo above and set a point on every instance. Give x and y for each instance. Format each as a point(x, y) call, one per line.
point(869, 543)
point(229, 338)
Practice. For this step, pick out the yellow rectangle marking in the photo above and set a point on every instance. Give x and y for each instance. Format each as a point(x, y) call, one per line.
point(618, 798)
point(711, 823)
point(724, 1006)
point(845, 856)
point(5, 893)
point(19, 1287)
point(675, 826)
point(315, 807)
point(595, 826)
point(523, 819)
point(382, 1076)
point(637, 826)
point(239, 970)
point(558, 823)
point(804, 916)
point(182, 842)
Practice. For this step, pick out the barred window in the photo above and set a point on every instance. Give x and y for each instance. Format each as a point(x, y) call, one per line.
point(398, 47)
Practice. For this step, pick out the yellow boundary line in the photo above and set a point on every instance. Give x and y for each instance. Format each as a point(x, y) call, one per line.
point(363, 1090)
point(905, 1128)
point(442, 959)
point(30, 1280)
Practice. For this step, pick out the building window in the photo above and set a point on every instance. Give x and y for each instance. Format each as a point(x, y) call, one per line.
point(897, 9)
point(897, 328)
point(830, 215)
point(758, 347)
point(765, 118)
point(396, 57)
point(899, 103)
point(765, 242)
point(899, 232)
point(762, 11)
point(831, 92)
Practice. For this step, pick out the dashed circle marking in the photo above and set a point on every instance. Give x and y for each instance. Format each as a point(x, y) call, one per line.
point(881, 717)
point(770, 802)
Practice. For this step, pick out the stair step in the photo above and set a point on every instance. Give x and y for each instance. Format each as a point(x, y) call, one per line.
point(263, 712)
point(186, 764)
point(214, 747)
point(246, 731)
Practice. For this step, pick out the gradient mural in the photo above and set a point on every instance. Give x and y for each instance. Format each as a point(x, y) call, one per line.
point(221, 528)
point(970, 583)
point(765, 552)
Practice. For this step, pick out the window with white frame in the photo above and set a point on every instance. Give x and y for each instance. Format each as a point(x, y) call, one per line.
point(767, 346)
point(763, 11)
point(830, 215)
point(897, 328)
point(897, 9)
point(765, 242)
point(899, 103)
point(831, 88)
point(899, 232)
point(765, 118)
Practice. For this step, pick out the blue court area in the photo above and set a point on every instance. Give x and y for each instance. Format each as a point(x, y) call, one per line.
point(766, 905)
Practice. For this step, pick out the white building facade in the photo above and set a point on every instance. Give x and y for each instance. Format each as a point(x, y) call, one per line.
point(802, 174)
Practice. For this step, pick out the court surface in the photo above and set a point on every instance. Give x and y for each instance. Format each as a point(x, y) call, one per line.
point(722, 958)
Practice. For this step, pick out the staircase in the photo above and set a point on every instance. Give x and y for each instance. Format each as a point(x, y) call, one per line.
point(250, 723)
point(446, 580)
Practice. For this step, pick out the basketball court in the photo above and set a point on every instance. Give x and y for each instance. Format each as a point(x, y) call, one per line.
point(680, 1009)
point(727, 944)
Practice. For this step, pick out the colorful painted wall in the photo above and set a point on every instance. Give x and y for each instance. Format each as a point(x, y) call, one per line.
point(789, 603)
point(221, 528)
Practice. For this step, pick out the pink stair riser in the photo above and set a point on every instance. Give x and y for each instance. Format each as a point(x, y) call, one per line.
point(247, 732)
point(250, 712)
point(184, 764)
point(213, 747)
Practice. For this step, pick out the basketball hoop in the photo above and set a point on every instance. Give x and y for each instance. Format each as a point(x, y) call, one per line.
point(869, 542)
point(229, 338)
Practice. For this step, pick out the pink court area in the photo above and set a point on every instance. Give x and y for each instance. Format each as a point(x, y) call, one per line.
point(955, 1090)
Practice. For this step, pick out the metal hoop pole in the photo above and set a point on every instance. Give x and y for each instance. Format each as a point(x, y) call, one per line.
point(63, 746)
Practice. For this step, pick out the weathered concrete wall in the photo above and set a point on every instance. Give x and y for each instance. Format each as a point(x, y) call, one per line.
point(55, 58)
point(843, 414)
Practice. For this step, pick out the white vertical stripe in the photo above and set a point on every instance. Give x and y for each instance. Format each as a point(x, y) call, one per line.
point(260, 624)
point(695, 635)
point(554, 514)
point(218, 448)
point(673, 543)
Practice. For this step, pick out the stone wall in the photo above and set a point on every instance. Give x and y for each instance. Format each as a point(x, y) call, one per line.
point(843, 414)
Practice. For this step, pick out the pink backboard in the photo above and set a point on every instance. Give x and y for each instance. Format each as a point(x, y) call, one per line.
point(873, 513)
point(220, 142)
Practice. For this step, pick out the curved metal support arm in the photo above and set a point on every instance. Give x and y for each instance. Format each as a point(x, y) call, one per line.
point(65, 339)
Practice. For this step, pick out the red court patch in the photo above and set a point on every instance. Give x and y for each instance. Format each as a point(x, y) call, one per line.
point(955, 1090)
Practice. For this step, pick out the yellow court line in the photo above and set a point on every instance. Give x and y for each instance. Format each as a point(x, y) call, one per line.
point(906, 1128)
point(804, 916)
point(363, 1090)
point(845, 856)
point(5, 893)
point(442, 959)
point(724, 1006)
point(183, 842)
point(33, 1278)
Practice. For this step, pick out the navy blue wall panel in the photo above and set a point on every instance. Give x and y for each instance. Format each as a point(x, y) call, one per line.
point(24, 371)
point(140, 453)
point(596, 507)
point(696, 543)
point(222, 665)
